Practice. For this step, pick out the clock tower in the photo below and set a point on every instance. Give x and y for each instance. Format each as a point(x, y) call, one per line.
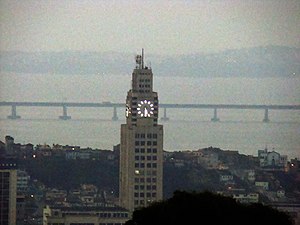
point(141, 148)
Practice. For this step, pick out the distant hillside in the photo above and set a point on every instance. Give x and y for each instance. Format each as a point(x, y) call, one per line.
point(271, 61)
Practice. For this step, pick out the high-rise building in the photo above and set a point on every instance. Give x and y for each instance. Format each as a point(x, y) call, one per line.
point(8, 191)
point(141, 148)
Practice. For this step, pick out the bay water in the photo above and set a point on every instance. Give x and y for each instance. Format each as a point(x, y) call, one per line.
point(187, 129)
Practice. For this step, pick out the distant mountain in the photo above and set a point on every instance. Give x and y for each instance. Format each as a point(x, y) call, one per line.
point(270, 61)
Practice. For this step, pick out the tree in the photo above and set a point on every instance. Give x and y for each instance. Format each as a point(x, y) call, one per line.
point(206, 208)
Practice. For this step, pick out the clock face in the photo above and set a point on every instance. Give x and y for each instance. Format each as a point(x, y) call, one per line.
point(145, 108)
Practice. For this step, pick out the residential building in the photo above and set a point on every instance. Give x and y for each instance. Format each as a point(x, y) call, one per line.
point(8, 191)
point(112, 215)
point(271, 159)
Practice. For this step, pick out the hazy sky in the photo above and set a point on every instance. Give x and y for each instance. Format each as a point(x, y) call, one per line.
point(165, 27)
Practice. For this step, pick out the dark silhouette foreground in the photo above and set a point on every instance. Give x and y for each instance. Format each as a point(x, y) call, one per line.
point(187, 208)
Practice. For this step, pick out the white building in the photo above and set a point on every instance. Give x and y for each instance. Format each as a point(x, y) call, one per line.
point(271, 159)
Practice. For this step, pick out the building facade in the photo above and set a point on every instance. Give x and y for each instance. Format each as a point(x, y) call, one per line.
point(8, 192)
point(141, 147)
point(84, 215)
point(272, 159)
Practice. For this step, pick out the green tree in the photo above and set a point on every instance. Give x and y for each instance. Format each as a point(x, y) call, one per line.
point(206, 208)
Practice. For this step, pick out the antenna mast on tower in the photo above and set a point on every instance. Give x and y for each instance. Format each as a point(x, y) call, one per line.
point(142, 58)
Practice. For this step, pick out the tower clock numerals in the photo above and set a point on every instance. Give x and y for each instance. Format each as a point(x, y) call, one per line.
point(145, 108)
point(128, 110)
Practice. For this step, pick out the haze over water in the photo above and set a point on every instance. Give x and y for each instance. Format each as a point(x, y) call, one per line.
point(188, 129)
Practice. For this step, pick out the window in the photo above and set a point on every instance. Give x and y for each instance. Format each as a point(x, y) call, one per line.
point(148, 143)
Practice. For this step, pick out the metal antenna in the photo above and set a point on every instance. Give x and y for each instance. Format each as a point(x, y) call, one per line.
point(142, 58)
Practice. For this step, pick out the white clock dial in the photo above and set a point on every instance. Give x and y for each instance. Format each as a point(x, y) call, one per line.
point(145, 108)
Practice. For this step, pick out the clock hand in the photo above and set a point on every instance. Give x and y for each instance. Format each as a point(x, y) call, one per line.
point(145, 112)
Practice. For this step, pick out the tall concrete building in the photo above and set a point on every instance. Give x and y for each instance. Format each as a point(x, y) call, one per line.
point(8, 191)
point(141, 148)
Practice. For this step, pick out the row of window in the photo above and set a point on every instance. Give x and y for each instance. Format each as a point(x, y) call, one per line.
point(148, 165)
point(144, 85)
point(144, 91)
point(115, 215)
point(143, 143)
point(142, 195)
point(146, 80)
point(142, 150)
point(148, 158)
point(147, 172)
point(142, 187)
point(102, 214)
point(141, 202)
point(148, 135)
point(142, 180)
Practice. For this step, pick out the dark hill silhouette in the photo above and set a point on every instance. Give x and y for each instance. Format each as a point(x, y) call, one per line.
point(203, 208)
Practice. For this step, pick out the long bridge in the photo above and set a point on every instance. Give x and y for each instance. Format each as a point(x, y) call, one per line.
point(114, 106)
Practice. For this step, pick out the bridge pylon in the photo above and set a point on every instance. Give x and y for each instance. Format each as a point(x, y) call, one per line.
point(266, 117)
point(65, 114)
point(215, 118)
point(165, 118)
point(13, 115)
point(115, 114)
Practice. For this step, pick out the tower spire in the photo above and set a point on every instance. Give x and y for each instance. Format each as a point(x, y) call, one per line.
point(142, 58)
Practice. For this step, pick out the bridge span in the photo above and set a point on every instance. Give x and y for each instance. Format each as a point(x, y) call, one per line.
point(114, 106)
